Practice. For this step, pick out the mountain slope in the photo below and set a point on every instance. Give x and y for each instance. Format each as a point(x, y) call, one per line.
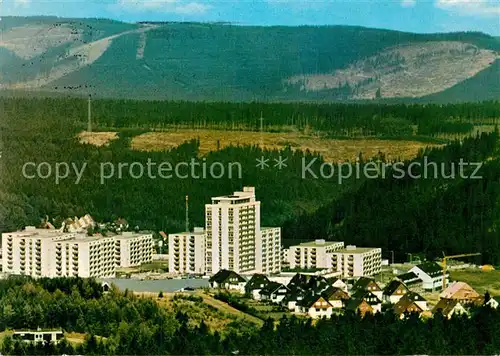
point(224, 62)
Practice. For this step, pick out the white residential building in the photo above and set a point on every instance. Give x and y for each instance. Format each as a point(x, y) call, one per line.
point(355, 261)
point(186, 251)
point(53, 253)
point(431, 275)
point(314, 254)
point(268, 259)
point(234, 239)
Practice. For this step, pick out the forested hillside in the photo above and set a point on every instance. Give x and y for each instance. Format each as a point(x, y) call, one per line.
point(411, 215)
point(195, 61)
point(119, 323)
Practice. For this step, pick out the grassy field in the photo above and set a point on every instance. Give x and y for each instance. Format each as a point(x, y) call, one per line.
point(218, 315)
point(331, 149)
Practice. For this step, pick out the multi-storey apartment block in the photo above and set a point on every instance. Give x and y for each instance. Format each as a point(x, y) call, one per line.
point(269, 252)
point(314, 254)
point(53, 253)
point(186, 252)
point(355, 261)
point(234, 239)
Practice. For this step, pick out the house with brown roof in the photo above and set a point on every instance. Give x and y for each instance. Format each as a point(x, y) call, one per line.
point(368, 285)
point(359, 306)
point(406, 306)
point(316, 306)
point(394, 291)
point(462, 292)
point(370, 298)
point(449, 307)
point(336, 297)
point(417, 299)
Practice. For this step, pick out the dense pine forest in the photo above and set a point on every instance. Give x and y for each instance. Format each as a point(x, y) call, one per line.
point(411, 215)
point(120, 323)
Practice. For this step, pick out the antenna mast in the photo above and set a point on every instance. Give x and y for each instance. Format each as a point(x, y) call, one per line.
point(187, 213)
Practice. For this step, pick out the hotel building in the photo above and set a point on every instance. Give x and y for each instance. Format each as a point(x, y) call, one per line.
point(314, 254)
point(234, 238)
point(187, 252)
point(355, 261)
point(53, 253)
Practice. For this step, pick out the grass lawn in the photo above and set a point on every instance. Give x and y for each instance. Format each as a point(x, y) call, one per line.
point(479, 280)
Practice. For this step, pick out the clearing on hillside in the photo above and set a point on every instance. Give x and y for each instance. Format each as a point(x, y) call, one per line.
point(97, 138)
point(331, 149)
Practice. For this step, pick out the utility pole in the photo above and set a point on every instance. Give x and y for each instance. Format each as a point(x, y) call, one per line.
point(261, 131)
point(89, 127)
point(392, 255)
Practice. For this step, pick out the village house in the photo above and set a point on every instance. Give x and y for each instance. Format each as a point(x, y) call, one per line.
point(394, 291)
point(431, 275)
point(368, 285)
point(359, 306)
point(493, 302)
point(449, 307)
point(417, 299)
point(336, 297)
point(370, 298)
point(462, 292)
point(225, 279)
point(255, 285)
point(338, 283)
point(406, 306)
point(316, 306)
point(292, 298)
point(410, 279)
point(274, 292)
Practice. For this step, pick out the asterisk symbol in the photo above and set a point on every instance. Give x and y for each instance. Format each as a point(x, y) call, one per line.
point(262, 162)
point(280, 162)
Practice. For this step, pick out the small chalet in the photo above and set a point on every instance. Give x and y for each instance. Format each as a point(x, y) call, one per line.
point(406, 306)
point(417, 299)
point(394, 291)
point(359, 306)
point(493, 302)
point(225, 279)
point(368, 285)
point(274, 292)
point(431, 275)
point(336, 297)
point(449, 307)
point(293, 298)
point(338, 283)
point(462, 292)
point(316, 306)
point(255, 285)
point(370, 298)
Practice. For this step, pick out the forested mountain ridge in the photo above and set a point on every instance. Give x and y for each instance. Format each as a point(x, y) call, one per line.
point(195, 61)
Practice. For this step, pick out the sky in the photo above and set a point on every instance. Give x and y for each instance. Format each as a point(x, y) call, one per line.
point(422, 16)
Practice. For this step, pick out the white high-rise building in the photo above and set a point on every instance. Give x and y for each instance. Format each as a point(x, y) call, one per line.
point(186, 252)
point(269, 254)
point(53, 253)
point(234, 237)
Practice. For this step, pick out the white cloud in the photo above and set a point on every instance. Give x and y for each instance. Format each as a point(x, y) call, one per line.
point(408, 3)
point(471, 7)
point(165, 6)
point(22, 3)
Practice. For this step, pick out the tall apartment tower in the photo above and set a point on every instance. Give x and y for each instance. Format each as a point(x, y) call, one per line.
point(233, 232)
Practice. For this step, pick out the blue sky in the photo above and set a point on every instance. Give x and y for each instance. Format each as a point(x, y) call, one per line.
point(406, 15)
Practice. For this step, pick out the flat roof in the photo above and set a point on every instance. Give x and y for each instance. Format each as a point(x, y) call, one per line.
point(319, 244)
point(358, 250)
